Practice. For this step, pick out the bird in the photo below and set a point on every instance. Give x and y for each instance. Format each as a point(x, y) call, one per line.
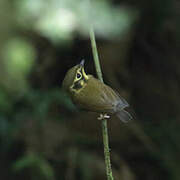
point(90, 94)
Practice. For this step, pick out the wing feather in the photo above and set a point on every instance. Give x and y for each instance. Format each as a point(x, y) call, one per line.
point(98, 97)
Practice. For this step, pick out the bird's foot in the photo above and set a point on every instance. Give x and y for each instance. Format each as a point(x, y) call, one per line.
point(103, 116)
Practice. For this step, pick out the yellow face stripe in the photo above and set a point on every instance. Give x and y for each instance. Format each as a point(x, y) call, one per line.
point(79, 80)
point(84, 74)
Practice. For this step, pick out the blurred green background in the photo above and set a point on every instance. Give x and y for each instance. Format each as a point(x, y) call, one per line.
point(42, 135)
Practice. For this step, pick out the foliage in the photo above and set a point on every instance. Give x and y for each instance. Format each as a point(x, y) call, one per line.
point(58, 20)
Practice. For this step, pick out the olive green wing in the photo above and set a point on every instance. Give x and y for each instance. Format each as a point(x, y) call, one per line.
point(98, 97)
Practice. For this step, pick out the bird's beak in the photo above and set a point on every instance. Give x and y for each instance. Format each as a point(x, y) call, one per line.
point(82, 69)
point(82, 63)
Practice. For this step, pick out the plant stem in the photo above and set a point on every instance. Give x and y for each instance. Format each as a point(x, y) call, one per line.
point(95, 55)
point(104, 121)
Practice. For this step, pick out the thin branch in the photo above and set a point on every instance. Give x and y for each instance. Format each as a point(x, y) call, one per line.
point(104, 121)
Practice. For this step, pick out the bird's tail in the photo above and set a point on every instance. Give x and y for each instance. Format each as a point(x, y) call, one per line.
point(124, 116)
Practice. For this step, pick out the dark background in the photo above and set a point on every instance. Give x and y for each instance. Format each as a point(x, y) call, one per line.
point(42, 135)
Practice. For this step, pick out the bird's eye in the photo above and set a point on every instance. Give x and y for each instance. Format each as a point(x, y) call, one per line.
point(78, 75)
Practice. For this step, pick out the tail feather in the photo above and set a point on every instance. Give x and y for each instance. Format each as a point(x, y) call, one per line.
point(124, 116)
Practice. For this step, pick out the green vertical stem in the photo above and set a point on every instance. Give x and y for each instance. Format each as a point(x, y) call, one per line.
point(104, 121)
point(95, 55)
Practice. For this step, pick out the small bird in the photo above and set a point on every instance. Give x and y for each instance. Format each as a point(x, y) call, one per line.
point(91, 94)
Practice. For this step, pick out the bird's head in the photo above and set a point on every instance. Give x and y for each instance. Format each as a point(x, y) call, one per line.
point(75, 78)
